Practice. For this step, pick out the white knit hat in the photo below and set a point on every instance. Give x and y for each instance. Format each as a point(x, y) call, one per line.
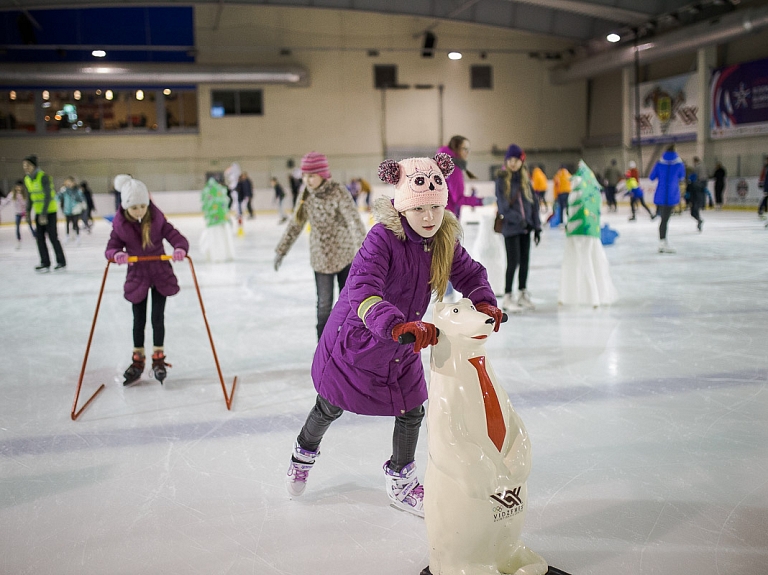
point(132, 192)
point(120, 180)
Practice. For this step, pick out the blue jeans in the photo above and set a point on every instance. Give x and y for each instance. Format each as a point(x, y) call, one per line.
point(324, 283)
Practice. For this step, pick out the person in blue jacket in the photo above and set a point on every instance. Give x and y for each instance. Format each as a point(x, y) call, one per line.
point(669, 171)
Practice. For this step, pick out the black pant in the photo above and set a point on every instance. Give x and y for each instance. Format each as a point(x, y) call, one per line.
point(562, 201)
point(158, 320)
point(324, 283)
point(633, 203)
point(404, 437)
point(763, 207)
point(697, 202)
point(50, 230)
point(610, 196)
point(664, 212)
point(74, 220)
point(719, 188)
point(518, 254)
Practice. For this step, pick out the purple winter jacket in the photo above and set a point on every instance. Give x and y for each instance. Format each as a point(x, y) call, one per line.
point(126, 236)
point(357, 366)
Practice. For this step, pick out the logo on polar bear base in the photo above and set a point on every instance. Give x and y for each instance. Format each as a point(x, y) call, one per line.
point(510, 502)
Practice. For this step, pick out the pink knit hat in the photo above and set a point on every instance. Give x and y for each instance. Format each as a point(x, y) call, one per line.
point(315, 163)
point(418, 181)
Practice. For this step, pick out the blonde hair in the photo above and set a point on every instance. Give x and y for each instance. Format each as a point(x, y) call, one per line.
point(525, 183)
point(443, 250)
point(146, 226)
point(301, 212)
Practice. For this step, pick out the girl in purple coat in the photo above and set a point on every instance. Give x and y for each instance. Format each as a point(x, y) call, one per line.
point(409, 255)
point(139, 229)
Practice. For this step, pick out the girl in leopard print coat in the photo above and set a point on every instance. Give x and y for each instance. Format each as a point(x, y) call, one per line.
point(336, 231)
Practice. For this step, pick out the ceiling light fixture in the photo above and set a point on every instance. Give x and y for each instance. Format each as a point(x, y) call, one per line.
point(454, 55)
point(98, 53)
point(613, 38)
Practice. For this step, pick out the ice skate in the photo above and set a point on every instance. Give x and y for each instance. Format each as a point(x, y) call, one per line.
point(404, 490)
point(158, 370)
point(301, 462)
point(509, 305)
point(700, 225)
point(43, 269)
point(524, 301)
point(134, 371)
point(665, 248)
point(632, 218)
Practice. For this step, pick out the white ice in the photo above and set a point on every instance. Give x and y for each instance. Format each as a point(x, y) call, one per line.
point(647, 419)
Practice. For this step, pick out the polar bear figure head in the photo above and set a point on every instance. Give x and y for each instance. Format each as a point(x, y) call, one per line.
point(463, 331)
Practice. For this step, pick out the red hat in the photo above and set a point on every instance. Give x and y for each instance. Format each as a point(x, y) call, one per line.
point(315, 163)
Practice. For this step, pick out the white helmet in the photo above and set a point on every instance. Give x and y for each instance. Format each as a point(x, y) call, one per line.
point(632, 164)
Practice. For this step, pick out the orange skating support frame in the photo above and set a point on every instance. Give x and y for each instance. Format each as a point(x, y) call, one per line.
point(133, 259)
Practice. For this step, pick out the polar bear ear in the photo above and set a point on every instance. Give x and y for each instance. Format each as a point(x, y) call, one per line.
point(439, 306)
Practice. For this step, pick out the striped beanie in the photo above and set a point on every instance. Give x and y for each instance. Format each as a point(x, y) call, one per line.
point(315, 163)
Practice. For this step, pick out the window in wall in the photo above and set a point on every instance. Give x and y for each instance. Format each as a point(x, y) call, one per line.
point(87, 110)
point(481, 77)
point(236, 103)
point(180, 109)
point(385, 76)
point(17, 110)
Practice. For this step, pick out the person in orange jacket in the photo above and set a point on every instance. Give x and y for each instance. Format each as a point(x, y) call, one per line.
point(539, 185)
point(562, 187)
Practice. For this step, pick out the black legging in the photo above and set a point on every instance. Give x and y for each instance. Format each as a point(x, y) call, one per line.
point(158, 320)
point(664, 212)
point(518, 254)
point(404, 437)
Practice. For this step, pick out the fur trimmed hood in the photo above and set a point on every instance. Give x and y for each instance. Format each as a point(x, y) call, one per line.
point(384, 212)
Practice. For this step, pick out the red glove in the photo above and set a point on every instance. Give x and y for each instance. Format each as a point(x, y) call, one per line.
point(425, 333)
point(491, 310)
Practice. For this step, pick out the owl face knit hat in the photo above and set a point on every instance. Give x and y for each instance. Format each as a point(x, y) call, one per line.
point(132, 192)
point(315, 163)
point(418, 181)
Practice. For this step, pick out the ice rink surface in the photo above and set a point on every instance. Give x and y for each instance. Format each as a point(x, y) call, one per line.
point(648, 419)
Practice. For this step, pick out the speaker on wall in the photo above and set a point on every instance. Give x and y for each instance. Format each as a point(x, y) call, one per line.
point(428, 51)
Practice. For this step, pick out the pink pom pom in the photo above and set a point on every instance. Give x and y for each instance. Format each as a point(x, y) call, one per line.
point(445, 163)
point(389, 172)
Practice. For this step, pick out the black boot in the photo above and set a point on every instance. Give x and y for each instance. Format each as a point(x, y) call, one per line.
point(159, 366)
point(134, 371)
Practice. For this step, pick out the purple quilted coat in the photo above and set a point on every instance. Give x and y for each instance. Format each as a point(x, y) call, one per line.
point(357, 365)
point(126, 236)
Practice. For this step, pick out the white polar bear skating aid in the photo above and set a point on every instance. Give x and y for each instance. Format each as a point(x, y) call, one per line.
point(475, 493)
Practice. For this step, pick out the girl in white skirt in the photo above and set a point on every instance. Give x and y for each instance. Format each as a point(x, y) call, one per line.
point(585, 278)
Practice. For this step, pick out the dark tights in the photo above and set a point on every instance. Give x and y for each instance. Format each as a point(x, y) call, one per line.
point(158, 320)
point(518, 253)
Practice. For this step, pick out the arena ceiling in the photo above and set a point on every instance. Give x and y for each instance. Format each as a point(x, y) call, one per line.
point(583, 23)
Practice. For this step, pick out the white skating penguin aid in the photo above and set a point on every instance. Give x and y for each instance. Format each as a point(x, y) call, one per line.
point(475, 493)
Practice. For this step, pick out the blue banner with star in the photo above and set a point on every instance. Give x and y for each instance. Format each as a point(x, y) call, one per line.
point(739, 100)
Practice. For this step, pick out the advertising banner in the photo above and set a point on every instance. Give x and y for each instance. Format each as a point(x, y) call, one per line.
point(739, 98)
point(669, 110)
